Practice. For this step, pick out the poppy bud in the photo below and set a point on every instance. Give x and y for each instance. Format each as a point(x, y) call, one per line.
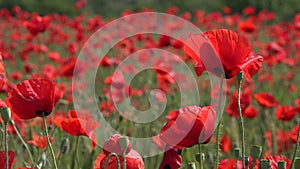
point(265, 164)
point(255, 152)
point(65, 146)
point(281, 165)
point(191, 165)
point(123, 142)
point(5, 114)
point(237, 153)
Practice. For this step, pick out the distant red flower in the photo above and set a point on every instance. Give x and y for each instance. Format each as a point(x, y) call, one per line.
point(225, 143)
point(232, 108)
point(229, 164)
point(192, 125)
point(11, 159)
point(2, 72)
point(133, 158)
point(82, 125)
point(246, 26)
point(285, 113)
point(232, 49)
point(226, 10)
point(172, 159)
point(37, 24)
point(265, 100)
point(249, 10)
point(32, 97)
point(40, 141)
point(250, 112)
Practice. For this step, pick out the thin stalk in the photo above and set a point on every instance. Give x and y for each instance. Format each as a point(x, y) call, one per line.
point(75, 154)
point(6, 147)
point(240, 78)
point(49, 142)
point(296, 147)
point(124, 160)
point(219, 124)
point(23, 142)
point(200, 156)
point(118, 160)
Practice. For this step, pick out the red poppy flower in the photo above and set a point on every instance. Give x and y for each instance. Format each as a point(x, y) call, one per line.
point(265, 100)
point(285, 113)
point(231, 49)
point(172, 159)
point(78, 125)
point(246, 26)
point(32, 97)
point(225, 143)
point(112, 145)
point(133, 158)
point(192, 125)
point(2, 72)
point(249, 10)
point(133, 161)
point(40, 141)
point(250, 112)
point(232, 108)
point(11, 159)
point(37, 24)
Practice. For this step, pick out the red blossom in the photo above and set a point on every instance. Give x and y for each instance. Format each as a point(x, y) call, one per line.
point(40, 141)
point(11, 159)
point(232, 49)
point(265, 100)
point(192, 125)
point(32, 97)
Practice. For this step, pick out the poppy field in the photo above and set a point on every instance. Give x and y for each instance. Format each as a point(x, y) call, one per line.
point(153, 90)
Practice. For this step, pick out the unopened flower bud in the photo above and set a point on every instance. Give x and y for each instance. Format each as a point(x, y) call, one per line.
point(237, 153)
point(264, 164)
point(281, 165)
point(123, 142)
point(255, 152)
point(5, 114)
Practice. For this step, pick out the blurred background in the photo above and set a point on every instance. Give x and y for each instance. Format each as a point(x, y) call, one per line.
point(284, 9)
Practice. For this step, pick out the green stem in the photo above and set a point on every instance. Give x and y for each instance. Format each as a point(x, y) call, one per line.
point(124, 160)
point(219, 124)
point(118, 160)
point(296, 147)
point(75, 154)
point(49, 142)
point(6, 147)
point(22, 140)
point(241, 118)
point(200, 156)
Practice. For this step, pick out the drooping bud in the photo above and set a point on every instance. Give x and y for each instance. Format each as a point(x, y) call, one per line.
point(124, 143)
point(5, 114)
